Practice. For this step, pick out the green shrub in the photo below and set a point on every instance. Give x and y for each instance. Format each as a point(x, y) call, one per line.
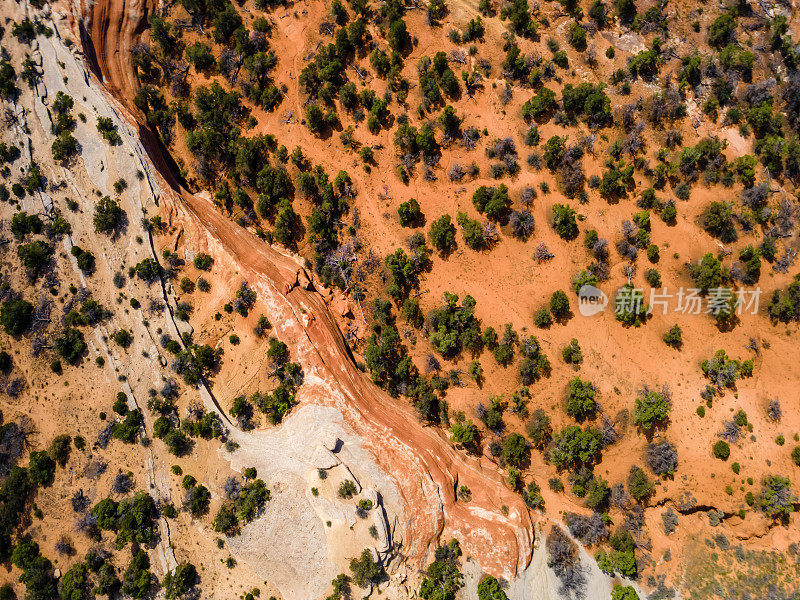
point(41, 468)
point(123, 337)
point(540, 105)
point(365, 571)
point(718, 220)
point(722, 30)
point(35, 257)
point(442, 234)
point(674, 337)
point(620, 592)
point(180, 581)
point(572, 354)
point(559, 305)
point(23, 224)
point(492, 201)
point(15, 316)
point(108, 216)
point(652, 408)
point(581, 402)
point(564, 222)
point(198, 499)
point(489, 589)
point(777, 498)
point(347, 489)
point(515, 450)
point(630, 307)
point(137, 579)
point(60, 448)
point(70, 345)
point(106, 127)
point(722, 450)
point(409, 213)
point(543, 319)
point(573, 445)
point(128, 430)
point(538, 429)
point(472, 231)
point(203, 261)
point(639, 486)
point(64, 147)
point(466, 434)
point(577, 36)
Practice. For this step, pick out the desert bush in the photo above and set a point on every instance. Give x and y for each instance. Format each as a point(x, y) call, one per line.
point(108, 216)
point(538, 429)
point(494, 202)
point(573, 446)
point(203, 261)
point(559, 305)
point(543, 319)
point(16, 315)
point(564, 222)
point(515, 450)
point(36, 257)
point(365, 571)
point(472, 231)
point(777, 499)
point(718, 221)
point(581, 402)
point(466, 434)
point(589, 530)
point(180, 581)
point(489, 588)
point(627, 592)
point(721, 370)
point(572, 353)
point(522, 224)
point(674, 337)
point(721, 450)
point(442, 234)
point(639, 485)
point(563, 559)
point(630, 309)
point(662, 458)
point(409, 213)
point(70, 344)
point(106, 127)
point(652, 408)
point(534, 363)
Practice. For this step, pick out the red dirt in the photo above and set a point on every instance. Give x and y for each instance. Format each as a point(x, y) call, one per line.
point(426, 467)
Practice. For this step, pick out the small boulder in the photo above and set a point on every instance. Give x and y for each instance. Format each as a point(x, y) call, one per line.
point(379, 520)
point(323, 458)
point(372, 496)
point(329, 440)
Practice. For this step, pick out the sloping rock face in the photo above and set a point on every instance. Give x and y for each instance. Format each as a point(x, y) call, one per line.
point(424, 466)
point(420, 461)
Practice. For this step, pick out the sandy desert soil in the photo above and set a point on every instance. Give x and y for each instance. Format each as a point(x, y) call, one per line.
point(412, 471)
